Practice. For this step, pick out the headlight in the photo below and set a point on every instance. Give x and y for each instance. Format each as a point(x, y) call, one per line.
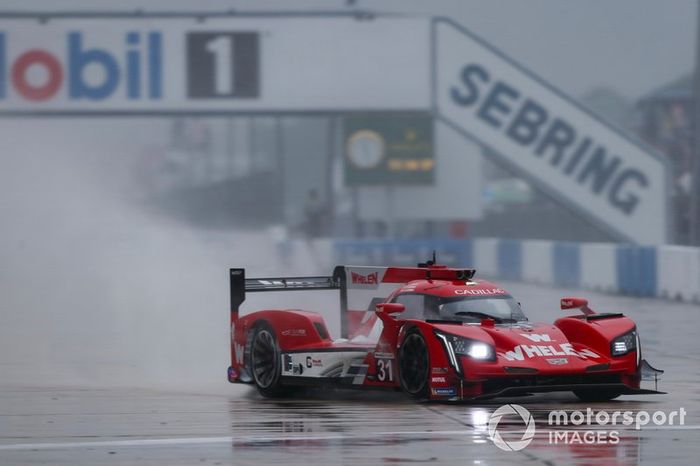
point(624, 343)
point(479, 350)
point(461, 346)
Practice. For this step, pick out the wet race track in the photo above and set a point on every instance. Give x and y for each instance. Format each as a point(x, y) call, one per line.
point(105, 426)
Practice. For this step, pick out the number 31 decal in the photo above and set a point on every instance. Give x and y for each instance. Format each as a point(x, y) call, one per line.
point(384, 370)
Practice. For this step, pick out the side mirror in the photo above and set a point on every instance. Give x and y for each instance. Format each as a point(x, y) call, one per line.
point(390, 308)
point(576, 303)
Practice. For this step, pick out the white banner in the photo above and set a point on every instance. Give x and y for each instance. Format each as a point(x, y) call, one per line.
point(533, 128)
point(237, 64)
point(343, 64)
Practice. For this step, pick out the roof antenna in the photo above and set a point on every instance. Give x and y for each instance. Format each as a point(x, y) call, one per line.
point(428, 263)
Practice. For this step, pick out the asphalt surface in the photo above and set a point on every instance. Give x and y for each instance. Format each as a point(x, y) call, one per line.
point(41, 424)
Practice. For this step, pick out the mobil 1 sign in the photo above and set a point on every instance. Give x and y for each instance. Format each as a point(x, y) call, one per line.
point(268, 63)
point(534, 129)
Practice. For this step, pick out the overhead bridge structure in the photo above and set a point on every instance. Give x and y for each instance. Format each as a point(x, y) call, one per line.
point(352, 63)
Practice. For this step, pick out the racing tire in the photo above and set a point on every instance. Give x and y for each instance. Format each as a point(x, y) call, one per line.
point(597, 395)
point(414, 365)
point(265, 364)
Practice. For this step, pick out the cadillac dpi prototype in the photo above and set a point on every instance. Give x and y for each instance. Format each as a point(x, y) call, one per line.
point(439, 334)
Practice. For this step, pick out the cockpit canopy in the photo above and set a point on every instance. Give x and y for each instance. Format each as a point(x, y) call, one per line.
point(460, 304)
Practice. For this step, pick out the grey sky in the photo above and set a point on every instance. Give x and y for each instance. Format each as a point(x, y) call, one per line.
point(632, 46)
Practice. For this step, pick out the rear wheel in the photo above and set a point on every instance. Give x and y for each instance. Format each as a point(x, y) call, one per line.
point(265, 363)
point(597, 395)
point(414, 365)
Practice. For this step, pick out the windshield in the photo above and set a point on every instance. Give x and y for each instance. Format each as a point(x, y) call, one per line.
point(501, 308)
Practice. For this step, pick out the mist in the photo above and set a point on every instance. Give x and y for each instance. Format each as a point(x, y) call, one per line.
point(96, 289)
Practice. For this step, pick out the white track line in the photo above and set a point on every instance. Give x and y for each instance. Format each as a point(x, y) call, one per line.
point(116, 443)
point(231, 439)
point(280, 438)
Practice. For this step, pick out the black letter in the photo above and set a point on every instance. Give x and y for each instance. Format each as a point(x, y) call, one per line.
point(578, 155)
point(494, 102)
point(597, 167)
point(629, 203)
point(524, 128)
point(473, 95)
point(559, 136)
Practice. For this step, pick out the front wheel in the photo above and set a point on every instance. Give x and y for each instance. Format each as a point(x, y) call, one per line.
point(265, 363)
point(597, 395)
point(414, 365)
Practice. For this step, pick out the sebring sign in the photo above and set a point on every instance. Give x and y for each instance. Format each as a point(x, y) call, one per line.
point(537, 131)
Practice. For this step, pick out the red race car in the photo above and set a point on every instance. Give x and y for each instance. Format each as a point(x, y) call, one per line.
point(437, 334)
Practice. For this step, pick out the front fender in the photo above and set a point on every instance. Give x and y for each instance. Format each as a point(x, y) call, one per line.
point(598, 335)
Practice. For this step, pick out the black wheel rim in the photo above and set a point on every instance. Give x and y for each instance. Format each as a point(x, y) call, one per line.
point(264, 359)
point(414, 364)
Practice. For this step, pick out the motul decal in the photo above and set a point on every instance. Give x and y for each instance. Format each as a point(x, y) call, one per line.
point(294, 332)
point(520, 352)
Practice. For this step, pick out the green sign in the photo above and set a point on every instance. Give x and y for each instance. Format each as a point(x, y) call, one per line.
point(389, 150)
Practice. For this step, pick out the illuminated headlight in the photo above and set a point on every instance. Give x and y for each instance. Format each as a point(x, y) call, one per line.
point(624, 343)
point(479, 350)
point(459, 346)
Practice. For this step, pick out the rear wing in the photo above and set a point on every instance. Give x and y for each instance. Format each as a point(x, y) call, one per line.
point(240, 285)
point(343, 278)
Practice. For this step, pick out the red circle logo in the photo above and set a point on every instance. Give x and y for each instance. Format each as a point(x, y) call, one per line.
point(45, 59)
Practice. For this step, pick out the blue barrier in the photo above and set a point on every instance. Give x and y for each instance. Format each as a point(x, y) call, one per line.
point(356, 251)
point(649, 271)
point(636, 267)
point(636, 270)
point(623, 260)
point(566, 265)
point(403, 252)
point(510, 259)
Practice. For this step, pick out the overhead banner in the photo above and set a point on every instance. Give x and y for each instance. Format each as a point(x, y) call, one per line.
point(256, 64)
point(279, 64)
point(531, 127)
